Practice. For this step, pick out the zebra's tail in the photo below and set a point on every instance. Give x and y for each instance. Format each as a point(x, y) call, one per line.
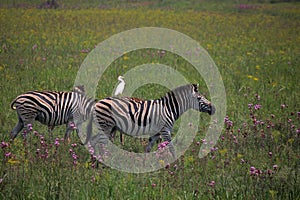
point(12, 104)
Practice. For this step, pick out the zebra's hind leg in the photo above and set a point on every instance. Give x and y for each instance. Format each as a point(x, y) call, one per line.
point(122, 138)
point(113, 135)
point(17, 129)
point(99, 143)
point(50, 133)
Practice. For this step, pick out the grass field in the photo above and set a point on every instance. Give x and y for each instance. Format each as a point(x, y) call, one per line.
point(256, 48)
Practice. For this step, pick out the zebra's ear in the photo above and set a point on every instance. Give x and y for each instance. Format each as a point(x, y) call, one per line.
point(79, 89)
point(195, 88)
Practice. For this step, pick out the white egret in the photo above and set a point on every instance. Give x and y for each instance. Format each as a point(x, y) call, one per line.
point(119, 90)
point(120, 87)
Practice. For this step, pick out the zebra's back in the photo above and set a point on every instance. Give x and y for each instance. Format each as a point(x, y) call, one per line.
point(132, 117)
point(44, 106)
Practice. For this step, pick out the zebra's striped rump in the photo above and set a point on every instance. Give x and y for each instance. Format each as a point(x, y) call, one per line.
point(146, 117)
point(52, 109)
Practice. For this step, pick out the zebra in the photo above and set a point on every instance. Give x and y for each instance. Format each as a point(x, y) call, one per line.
point(52, 108)
point(122, 137)
point(145, 117)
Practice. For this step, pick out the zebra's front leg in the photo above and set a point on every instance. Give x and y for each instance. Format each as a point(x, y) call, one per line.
point(69, 129)
point(78, 130)
point(152, 141)
point(166, 136)
point(70, 126)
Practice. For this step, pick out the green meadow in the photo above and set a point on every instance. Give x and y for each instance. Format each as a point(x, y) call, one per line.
point(256, 47)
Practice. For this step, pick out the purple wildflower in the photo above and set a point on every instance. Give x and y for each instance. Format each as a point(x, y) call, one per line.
point(212, 183)
point(72, 125)
point(85, 50)
point(36, 133)
point(270, 154)
point(292, 126)
point(226, 119)
point(37, 151)
point(272, 116)
point(257, 106)
point(252, 170)
point(29, 127)
point(56, 143)
point(204, 141)
point(7, 154)
point(258, 98)
point(214, 149)
point(4, 144)
point(74, 156)
point(74, 145)
point(163, 145)
point(245, 6)
point(167, 166)
point(34, 47)
point(91, 150)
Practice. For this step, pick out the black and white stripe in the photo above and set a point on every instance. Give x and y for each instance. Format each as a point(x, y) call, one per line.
point(52, 109)
point(150, 117)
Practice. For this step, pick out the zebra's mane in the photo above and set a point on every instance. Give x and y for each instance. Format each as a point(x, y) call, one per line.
point(182, 89)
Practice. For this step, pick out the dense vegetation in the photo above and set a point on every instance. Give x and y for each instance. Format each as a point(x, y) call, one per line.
point(256, 48)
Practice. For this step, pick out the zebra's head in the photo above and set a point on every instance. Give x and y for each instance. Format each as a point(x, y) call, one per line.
point(200, 102)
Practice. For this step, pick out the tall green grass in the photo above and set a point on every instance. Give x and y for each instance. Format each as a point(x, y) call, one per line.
point(257, 52)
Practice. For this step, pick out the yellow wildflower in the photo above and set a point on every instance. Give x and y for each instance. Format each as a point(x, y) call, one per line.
point(239, 155)
point(209, 46)
point(12, 161)
point(161, 162)
point(223, 151)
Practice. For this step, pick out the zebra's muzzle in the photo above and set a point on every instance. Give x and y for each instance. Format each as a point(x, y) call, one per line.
point(212, 110)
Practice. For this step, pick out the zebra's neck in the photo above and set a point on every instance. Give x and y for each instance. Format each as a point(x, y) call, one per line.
point(85, 104)
point(177, 101)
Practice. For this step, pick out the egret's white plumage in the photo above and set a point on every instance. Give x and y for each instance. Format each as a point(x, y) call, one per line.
point(120, 87)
